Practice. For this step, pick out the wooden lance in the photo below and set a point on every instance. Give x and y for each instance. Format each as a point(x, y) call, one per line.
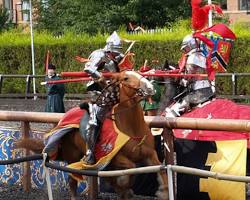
point(85, 77)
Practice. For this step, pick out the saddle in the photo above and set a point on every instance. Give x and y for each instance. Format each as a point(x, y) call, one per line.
point(110, 139)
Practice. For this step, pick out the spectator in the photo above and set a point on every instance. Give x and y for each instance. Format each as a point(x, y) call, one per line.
point(55, 92)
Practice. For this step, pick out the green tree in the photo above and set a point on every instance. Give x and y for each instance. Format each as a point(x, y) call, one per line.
point(92, 16)
point(4, 17)
point(158, 13)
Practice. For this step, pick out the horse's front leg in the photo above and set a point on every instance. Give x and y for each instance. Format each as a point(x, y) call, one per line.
point(152, 159)
point(122, 184)
point(73, 187)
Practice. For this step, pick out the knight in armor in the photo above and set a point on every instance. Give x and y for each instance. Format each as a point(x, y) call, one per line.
point(106, 59)
point(197, 89)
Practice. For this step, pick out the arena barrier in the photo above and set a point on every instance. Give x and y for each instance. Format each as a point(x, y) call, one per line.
point(182, 123)
point(12, 173)
point(152, 121)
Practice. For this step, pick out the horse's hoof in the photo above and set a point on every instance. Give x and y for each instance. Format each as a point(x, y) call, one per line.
point(122, 180)
point(127, 195)
point(162, 193)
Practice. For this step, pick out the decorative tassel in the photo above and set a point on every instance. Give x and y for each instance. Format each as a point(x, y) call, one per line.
point(200, 14)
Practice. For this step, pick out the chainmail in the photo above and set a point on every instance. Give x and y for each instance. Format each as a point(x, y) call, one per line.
point(109, 95)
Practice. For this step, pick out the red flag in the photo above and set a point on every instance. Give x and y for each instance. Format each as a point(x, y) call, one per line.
point(220, 29)
point(47, 60)
point(127, 62)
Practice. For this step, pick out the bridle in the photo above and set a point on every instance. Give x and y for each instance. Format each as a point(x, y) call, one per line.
point(138, 93)
point(104, 98)
point(138, 90)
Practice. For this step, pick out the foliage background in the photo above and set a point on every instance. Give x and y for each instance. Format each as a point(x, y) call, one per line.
point(93, 16)
point(15, 53)
point(69, 28)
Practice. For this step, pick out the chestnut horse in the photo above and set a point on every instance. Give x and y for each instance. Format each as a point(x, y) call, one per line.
point(129, 119)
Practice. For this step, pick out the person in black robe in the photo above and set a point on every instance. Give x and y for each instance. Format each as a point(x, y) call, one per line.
point(55, 92)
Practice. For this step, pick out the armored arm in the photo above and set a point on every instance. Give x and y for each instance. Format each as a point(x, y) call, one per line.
point(91, 69)
point(119, 57)
point(94, 63)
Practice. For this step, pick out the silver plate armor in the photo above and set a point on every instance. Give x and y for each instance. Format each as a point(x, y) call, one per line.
point(199, 90)
point(107, 59)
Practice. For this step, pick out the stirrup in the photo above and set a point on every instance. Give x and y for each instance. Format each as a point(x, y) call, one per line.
point(89, 159)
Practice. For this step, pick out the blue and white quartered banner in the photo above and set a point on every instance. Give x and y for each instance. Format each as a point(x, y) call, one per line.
point(12, 174)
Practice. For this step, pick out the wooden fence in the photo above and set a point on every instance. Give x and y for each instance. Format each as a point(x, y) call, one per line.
point(28, 93)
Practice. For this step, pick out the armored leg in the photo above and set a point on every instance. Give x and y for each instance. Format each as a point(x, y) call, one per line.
point(91, 131)
point(91, 140)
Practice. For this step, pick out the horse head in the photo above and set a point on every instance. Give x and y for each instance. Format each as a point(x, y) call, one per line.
point(133, 85)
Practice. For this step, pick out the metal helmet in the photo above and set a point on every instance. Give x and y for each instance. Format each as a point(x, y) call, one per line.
point(189, 43)
point(113, 43)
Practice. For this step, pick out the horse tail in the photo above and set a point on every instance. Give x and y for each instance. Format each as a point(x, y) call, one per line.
point(35, 145)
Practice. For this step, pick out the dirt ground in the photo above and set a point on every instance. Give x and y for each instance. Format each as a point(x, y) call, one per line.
point(16, 192)
point(30, 105)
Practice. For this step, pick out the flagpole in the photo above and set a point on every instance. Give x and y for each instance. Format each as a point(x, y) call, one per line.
point(210, 16)
point(32, 51)
point(210, 23)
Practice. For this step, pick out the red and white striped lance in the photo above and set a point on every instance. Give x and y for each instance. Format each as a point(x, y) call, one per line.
point(83, 76)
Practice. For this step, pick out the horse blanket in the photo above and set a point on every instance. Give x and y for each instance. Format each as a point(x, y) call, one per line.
point(215, 151)
point(216, 109)
point(110, 141)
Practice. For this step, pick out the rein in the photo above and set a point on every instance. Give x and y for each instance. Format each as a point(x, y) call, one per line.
point(113, 88)
point(110, 96)
point(125, 109)
point(140, 143)
point(139, 93)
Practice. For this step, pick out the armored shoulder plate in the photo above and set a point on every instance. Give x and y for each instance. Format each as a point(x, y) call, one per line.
point(196, 58)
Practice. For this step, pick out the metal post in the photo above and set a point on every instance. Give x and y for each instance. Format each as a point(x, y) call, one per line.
point(169, 149)
point(32, 51)
point(210, 23)
point(234, 84)
point(26, 180)
point(1, 83)
point(170, 183)
point(47, 177)
point(27, 89)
